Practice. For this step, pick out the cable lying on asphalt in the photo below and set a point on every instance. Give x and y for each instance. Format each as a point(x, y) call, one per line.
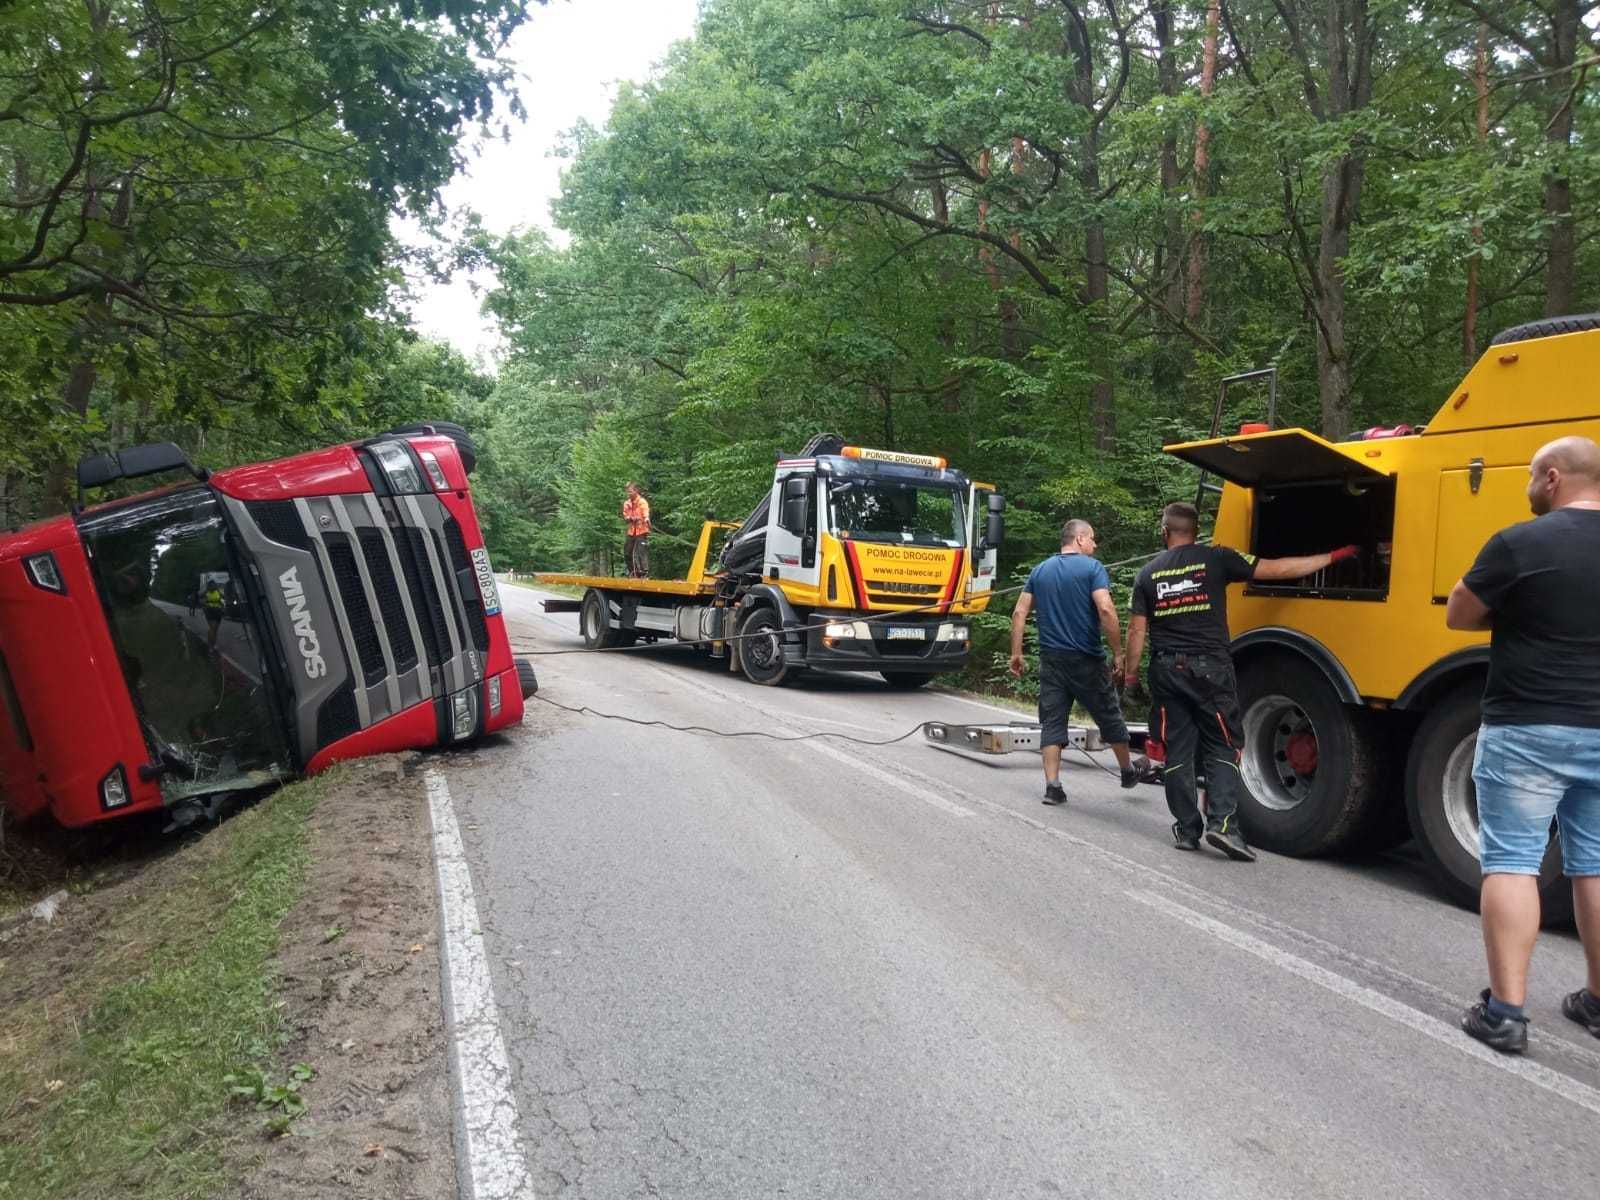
point(585, 710)
point(742, 733)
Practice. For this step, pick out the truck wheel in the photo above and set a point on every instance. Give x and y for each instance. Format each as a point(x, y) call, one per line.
point(1310, 763)
point(463, 440)
point(906, 679)
point(1442, 804)
point(593, 621)
point(526, 677)
point(761, 651)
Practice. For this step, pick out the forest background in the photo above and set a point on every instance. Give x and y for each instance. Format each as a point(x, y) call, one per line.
point(1029, 235)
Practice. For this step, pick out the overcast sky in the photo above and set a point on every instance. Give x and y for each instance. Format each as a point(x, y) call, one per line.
point(571, 55)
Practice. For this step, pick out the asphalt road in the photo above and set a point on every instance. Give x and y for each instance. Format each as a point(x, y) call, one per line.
point(734, 967)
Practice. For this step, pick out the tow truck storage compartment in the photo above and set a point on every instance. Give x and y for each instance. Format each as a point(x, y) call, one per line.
point(1308, 496)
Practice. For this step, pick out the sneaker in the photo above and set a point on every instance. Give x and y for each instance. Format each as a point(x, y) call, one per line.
point(1583, 1006)
point(1130, 777)
point(1227, 838)
point(1054, 793)
point(1183, 839)
point(1509, 1036)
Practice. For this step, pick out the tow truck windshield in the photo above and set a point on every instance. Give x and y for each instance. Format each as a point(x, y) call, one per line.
point(189, 645)
point(890, 511)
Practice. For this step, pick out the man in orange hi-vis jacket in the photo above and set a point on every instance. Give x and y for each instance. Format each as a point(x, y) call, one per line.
point(636, 550)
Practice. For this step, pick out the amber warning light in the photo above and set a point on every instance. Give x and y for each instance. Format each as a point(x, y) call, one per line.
point(894, 456)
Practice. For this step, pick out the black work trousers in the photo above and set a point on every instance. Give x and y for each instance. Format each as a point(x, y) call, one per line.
point(1196, 717)
point(636, 554)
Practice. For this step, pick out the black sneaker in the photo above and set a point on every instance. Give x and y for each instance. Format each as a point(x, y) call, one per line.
point(1130, 777)
point(1509, 1036)
point(1583, 1006)
point(1227, 838)
point(1054, 793)
point(1184, 840)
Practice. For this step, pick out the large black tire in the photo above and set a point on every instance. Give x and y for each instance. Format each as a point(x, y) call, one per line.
point(526, 677)
point(906, 679)
point(1310, 762)
point(1442, 805)
point(594, 624)
point(457, 434)
point(1547, 327)
point(761, 648)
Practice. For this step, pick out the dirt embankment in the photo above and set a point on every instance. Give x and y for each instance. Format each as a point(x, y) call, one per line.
point(359, 972)
point(166, 969)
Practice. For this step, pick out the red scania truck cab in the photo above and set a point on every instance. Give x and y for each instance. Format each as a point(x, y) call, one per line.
point(247, 626)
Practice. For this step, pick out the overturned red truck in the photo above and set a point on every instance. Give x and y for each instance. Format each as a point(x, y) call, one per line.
point(246, 626)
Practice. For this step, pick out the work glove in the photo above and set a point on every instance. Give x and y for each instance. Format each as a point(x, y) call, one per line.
point(1343, 552)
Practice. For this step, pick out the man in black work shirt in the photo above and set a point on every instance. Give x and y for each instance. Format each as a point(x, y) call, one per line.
point(1181, 599)
point(1538, 752)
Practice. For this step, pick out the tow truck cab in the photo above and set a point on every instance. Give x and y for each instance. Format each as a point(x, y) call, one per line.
point(359, 616)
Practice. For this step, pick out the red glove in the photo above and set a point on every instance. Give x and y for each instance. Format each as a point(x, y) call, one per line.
point(1343, 552)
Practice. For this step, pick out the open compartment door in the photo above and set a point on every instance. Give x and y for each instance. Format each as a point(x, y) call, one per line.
point(1270, 459)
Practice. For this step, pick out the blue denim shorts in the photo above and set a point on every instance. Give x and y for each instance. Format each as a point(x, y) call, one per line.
point(1527, 776)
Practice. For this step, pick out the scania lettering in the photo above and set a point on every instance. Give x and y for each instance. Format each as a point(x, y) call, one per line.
point(846, 537)
point(310, 647)
point(247, 625)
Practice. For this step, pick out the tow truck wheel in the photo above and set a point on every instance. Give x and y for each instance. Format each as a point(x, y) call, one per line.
point(526, 677)
point(761, 650)
point(906, 679)
point(592, 620)
point(1442, 804)
point(1310, 763)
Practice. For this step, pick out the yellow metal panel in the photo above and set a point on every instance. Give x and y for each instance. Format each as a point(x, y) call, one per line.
point(1467, 519)
point(1521, 383)
point(613, 583)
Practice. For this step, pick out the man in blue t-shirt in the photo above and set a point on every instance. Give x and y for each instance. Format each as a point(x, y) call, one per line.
point(1070, 595)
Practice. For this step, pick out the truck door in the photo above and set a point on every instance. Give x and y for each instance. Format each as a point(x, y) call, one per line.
point(984, 557)
point(792, 526)
point(1474, 503)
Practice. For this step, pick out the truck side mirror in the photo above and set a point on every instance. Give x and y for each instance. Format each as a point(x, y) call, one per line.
point(794, 514)
point(154, 458)
point(97, 470)
point(796, 503)
point(994, 527)
point(994, 531)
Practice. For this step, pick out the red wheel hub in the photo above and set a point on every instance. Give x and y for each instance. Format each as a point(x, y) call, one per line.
point(1301, 753)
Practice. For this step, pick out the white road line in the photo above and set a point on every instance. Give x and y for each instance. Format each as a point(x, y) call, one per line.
point(1540, 1076)
point(491, 1164)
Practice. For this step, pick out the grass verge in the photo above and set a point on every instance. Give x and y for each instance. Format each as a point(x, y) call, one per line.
point(112, 1077)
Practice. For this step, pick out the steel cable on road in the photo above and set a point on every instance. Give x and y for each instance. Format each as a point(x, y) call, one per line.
point(583, 709)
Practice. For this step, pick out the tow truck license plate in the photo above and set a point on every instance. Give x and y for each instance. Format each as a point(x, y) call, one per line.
point(910, 633)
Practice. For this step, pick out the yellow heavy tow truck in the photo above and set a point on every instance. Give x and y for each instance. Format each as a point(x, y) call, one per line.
point(856, 560)
point(1360, 708)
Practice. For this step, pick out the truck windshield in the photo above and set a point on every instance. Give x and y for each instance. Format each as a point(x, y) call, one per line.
point(889, 511)
point(188, 643)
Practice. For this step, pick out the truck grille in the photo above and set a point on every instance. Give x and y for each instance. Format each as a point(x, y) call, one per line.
point(391, 609)
point(406, 603)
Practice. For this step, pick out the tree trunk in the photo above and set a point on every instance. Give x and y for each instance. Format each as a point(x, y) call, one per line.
point(1560, 273)
point(1469, 321)
point(1202, 165)
point(1169, 269)
point(1097, 296)
point(1341, 188)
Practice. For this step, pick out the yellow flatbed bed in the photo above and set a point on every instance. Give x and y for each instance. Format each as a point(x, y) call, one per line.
point(613, 583)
